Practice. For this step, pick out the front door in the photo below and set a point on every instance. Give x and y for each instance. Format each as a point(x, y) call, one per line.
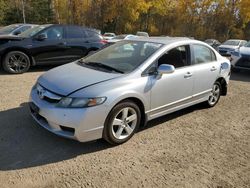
point(169, 91)
point(52, 49)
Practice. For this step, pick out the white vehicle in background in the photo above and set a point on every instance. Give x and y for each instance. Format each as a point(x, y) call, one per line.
point(142, 34)
point(121, 37)
point(226, 48)
point(240, 58)
point(108, 36)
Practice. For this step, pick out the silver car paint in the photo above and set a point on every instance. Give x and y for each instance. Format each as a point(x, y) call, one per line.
point(158, 97)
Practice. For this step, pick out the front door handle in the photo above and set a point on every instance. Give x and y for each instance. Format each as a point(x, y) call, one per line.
point(188, 75)
point(213, 68)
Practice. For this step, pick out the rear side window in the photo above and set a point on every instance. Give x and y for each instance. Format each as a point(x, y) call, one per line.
point(92, 34)
point(75, 33)
point(203, 54)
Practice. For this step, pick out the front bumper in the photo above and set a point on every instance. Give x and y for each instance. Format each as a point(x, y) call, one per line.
point(82, 124)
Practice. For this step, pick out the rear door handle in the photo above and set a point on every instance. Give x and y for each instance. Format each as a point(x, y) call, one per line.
point(213, 69)
point(188, 75)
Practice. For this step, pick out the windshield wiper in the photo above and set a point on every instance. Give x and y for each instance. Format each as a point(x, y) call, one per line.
point(101, 65)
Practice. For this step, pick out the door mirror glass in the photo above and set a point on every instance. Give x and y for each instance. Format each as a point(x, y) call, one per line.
point(41, 37)
point(165, 69)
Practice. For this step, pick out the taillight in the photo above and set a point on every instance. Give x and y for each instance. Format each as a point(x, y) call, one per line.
point(104, 41)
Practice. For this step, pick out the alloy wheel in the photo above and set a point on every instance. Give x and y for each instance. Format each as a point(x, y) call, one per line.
point(215, 95)
point(124, 123)
point(17, 62)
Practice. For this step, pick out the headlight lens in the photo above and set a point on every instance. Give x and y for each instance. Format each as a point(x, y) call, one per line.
point(68, 102)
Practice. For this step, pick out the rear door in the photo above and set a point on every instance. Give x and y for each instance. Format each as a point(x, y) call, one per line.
point(206, 69)
point(77, 42)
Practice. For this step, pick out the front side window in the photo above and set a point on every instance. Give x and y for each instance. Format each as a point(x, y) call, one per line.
point(33, 31)
point(123, 56)
point(24, 28)
point(203, 54)
point(178, 57)
point(54, 33)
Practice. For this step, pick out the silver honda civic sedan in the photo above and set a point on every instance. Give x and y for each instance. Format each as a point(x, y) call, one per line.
point(113, 92)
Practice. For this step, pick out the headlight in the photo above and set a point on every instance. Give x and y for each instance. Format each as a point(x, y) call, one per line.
point(68, 102)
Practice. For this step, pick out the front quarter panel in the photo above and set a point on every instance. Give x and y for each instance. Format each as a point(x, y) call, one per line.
point(116, 90)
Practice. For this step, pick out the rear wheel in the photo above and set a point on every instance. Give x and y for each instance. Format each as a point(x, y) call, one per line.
point(16, 62)
point(214, 95)
point(122, 123)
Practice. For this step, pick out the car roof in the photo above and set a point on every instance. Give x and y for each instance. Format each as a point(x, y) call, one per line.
point(162, 40)
point(235, 40)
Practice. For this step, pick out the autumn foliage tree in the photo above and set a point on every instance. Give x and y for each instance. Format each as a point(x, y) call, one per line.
point(221, 19)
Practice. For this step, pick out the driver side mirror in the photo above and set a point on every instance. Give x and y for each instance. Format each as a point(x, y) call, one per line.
point(41, 37)
point(165, 69)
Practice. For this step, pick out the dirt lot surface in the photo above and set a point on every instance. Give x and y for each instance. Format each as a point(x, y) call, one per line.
point(195, 147)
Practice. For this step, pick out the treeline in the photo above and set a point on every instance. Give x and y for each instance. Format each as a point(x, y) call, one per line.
point(220, 19)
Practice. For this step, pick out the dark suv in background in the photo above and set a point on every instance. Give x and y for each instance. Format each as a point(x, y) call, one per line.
point(47, 44)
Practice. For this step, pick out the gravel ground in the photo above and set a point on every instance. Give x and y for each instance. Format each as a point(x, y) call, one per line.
point(195, 147)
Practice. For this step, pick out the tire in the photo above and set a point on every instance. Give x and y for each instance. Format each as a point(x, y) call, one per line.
point(16, 62)
point(215, 95)
point(91, 52)
point(122, 122)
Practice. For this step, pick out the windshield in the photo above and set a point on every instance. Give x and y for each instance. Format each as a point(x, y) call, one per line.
point(31, 32)
point(8, 29)
point(124, 57)
point(232, 42)
point(247, 44)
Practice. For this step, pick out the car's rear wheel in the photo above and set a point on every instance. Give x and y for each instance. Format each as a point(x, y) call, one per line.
point(214, 95)
point(16, 62)
point(122, 123)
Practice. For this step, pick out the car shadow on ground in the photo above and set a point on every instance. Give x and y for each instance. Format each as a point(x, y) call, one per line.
point(24, 144)
point(243, 76)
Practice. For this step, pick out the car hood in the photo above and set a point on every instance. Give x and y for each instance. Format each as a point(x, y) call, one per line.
point(71, 77)
point(11, 37)
point(228, 46)
point(245, 50)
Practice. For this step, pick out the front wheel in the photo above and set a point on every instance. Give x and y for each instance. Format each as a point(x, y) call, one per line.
point(214, 95)
point(122, 123)
point(16, 62)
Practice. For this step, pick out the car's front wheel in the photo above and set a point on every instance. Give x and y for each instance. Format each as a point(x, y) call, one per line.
point(16, 62)
point(214, 95)
point(122, 122)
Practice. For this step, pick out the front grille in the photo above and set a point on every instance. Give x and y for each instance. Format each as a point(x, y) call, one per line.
point(47, 95)
point(50, 100)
